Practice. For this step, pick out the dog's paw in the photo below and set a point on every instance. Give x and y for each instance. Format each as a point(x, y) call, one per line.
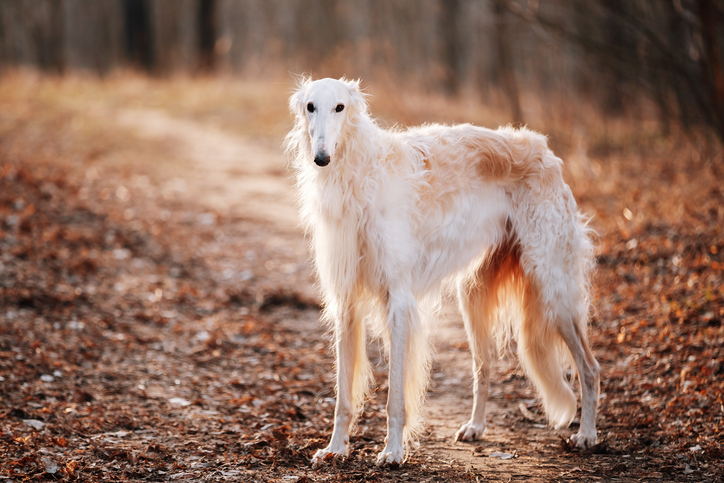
point(325, 454)
point(583, 439)
point(390, 456)
point(470, 432)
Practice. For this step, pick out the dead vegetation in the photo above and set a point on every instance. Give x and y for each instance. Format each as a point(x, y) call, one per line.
point(147, 337)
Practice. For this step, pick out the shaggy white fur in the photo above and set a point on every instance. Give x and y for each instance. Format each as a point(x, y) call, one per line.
point(393, 214)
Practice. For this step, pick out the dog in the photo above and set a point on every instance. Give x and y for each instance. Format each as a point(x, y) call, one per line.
point(394, 216)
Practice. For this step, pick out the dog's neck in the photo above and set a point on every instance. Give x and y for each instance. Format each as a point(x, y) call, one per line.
point(343, 188)
point(363, 145)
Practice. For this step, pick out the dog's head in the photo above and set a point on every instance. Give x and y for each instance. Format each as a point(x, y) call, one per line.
point(324, 107)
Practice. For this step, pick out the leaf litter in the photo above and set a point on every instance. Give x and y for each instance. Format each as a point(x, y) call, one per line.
point(145, 338)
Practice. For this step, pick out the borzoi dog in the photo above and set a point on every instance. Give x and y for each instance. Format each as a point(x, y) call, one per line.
point(392, 214)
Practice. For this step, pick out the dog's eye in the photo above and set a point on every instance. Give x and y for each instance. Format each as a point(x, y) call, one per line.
point(310, 107)
point(339, 108)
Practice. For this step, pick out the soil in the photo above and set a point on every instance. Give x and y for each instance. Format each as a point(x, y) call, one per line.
point(159, 320)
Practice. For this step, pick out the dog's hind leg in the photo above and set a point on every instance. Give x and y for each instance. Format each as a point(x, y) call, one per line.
point(352, 375)
point(477, 304)
point(588, 373)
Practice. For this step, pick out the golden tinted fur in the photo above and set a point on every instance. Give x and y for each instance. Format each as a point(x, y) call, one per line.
point(392, 214)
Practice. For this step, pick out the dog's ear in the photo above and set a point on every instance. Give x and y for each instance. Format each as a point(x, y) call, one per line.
point(359, 98)
point(297, 98)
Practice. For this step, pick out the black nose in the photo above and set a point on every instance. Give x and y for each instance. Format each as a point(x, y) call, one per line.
point(322, 159)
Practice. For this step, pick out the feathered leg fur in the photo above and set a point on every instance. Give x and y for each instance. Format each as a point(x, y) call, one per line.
point(353, 374)
point(480, 295)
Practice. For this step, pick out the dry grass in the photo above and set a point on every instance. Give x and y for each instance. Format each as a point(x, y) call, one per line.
point(625, 161)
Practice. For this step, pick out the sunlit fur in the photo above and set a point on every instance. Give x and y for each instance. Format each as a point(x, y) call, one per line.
point(396, 213)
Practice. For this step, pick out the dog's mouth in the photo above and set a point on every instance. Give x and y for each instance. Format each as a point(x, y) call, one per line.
point(322, 159)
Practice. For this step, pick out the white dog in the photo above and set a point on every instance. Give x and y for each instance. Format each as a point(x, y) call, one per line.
point(392, 214)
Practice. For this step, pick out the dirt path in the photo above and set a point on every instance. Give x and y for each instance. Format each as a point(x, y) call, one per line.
point(234, 175)
point(226, 173)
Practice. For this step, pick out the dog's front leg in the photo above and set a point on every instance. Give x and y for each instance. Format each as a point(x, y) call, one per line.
point(399, 322)
point(348, 335)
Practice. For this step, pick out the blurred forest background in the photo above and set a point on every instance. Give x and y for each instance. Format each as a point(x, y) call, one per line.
point(617, 53)
point(158, 311)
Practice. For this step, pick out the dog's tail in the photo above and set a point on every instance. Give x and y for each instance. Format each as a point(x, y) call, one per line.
point(560, 306)
point(543, 356)
point(521, 316)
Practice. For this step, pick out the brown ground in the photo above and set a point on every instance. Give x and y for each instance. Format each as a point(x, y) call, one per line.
point(159, 322)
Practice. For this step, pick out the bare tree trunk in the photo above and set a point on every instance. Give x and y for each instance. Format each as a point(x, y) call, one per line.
point(614, 35)
point(138, 34)
point(712, 62)
point(207, 34)
point(450, 39)
point(42, 23)
point(175, 33)
point(506, 73)
point(56, 41)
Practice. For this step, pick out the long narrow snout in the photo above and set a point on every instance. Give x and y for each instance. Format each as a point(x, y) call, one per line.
point(320, 148)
